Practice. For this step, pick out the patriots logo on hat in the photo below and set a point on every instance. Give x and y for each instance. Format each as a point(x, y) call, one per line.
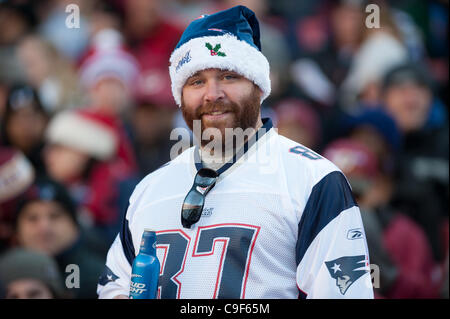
point(346, 270)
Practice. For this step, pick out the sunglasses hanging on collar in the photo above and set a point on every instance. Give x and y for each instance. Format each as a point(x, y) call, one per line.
point(193, 203)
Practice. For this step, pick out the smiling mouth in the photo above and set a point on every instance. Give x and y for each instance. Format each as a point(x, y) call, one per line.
point(216, 113)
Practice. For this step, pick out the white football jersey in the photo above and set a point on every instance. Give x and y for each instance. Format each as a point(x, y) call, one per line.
point(281, 222)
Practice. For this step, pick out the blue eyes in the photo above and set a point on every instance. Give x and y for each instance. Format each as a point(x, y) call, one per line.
point(230, 77)
point(197, 82)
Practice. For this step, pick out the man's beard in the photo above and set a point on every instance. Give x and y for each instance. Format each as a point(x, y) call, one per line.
point(246, 115)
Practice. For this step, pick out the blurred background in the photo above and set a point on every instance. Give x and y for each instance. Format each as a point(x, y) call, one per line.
point(86, 111)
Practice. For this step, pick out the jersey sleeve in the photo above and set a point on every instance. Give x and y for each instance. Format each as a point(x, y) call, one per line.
point(116, 277)
point(331, 253)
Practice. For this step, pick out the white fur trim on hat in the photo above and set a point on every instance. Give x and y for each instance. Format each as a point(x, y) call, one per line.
point(240, 57)
point(373, 60)
point(76, 131)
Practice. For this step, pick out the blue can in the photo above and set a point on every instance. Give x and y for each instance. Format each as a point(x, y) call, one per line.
point(146, 267)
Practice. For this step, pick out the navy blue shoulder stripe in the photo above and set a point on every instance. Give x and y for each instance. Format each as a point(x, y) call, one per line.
point(328, 198)
point(127, 242)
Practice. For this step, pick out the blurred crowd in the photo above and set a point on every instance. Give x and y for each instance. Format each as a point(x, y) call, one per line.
point(86, 111)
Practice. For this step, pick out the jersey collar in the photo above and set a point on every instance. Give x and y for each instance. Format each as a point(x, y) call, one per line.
point(267, 125)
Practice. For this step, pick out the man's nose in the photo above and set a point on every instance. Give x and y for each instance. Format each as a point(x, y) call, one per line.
point(214, 91)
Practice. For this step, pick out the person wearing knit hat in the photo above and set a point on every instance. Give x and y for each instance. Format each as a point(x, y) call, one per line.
point(228, 40)
point(357, 161)
point(47, 221)
point(109, 73)
point(76, 130)
point(46, 200)
point(267, 219)
point(82, 153)
point(23, 123)
point(30, 275)
point(298, 121)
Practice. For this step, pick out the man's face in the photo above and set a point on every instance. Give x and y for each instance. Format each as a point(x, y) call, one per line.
point(44, 226)
point(64, 164)
point(220, 99)
point(26, 128)
point(409, 105)
point(109, 96)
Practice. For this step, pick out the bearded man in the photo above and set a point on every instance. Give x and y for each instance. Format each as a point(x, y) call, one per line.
point(245, 213)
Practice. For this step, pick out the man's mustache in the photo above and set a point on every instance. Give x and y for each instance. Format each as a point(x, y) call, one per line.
point(218, 106)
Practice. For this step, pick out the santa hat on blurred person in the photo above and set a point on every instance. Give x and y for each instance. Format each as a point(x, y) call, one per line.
point(299, 111)
point(358, 163)
point(228, 40)
point(108, 58)
point(83, 132)
point(376, 56)
point(16, 173)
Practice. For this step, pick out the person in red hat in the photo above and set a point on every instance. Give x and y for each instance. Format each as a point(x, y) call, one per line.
point(298, 121)
point(108, 74)
point(81, 153)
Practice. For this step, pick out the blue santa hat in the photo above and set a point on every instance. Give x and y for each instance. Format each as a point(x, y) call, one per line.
point(228, 40)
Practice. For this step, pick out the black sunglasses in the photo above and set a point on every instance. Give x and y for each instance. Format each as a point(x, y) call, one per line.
point(192, 208)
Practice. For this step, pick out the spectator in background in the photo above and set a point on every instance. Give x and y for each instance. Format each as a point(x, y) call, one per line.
point(152, 124)
point(151, 38)
point(71, 42)
point(23, 123)
point(273, 44)
point(30, 275)
point(108, 74)
point(16, 175)
point(375, 129)
point(16, 20)
point(422, 172)
point(297, 120)
point(380, 50)
point(81, 153)
point(46, 222)
point(397, 245)
point(324, 62)
point(105, 15)
point(50, 73)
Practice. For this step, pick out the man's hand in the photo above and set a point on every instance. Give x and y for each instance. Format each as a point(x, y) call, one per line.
point(121, 297)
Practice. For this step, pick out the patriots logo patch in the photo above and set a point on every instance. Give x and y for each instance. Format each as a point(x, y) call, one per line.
point(107, 276)
point(346, 270)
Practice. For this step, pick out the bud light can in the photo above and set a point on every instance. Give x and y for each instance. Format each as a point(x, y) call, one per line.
point(146, 267)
